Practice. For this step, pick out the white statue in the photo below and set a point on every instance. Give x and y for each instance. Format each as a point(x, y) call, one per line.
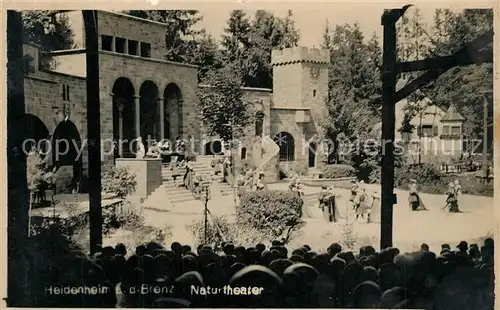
point(141, 151)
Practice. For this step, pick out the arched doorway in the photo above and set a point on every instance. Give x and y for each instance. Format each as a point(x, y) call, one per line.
point(35, 135)
point(286, 144)
point(149, 112)
point(123, 116)
point(213, 148)
point(66, 150)
point(312, 154)
point(172, 112)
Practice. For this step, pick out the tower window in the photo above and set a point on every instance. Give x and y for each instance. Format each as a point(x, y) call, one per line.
point(132, 47)
point(120, 45)
point(107, 43)
point(65, 92)
point(314, 93)
point(145, 50)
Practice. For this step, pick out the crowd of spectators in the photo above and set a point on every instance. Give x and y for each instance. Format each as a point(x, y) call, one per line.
point(274, 276)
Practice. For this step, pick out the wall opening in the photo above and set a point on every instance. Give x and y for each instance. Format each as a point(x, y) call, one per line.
point(145, 50)
point(107, 43)
point(120, 45)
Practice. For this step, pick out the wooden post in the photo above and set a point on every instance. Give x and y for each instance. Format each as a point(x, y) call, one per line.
point(388, 127)
point(18, 287)
point(485, 138)
point(93, 128)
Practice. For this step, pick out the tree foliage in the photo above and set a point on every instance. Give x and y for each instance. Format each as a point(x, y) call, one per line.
point(461, 85)
point(49, 30)
point(247, 44)
point(354, 79)
point(225, 111)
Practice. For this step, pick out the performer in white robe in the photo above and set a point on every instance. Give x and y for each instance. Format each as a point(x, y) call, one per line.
point(375, 210)
point(334, 196)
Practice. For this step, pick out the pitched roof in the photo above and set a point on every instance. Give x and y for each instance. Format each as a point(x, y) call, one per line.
point(452, 114)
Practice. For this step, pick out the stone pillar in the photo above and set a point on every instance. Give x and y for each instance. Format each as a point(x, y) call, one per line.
point(180, 107)
point(121, 104)
point(161, 102)
point(137, 104)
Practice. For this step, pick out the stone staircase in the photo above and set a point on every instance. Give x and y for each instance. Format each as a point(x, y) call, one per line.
point(173, 194)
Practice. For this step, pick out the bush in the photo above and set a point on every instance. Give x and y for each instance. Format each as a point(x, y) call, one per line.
point(277, 214)
point(128, 219)
point(118, 181)
point(424, 174)
point(338, 171)
point(238, 234)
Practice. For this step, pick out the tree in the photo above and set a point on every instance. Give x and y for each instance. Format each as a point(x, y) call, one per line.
point(247, 44)
point(224, 110)
point(461, 85)
point(354, 79)
point(49, 30)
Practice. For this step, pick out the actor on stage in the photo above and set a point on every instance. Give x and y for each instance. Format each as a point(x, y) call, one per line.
point(414, 200)
point(354, 192)
point(334, 209)
point(325, 203)
point(359, 201)
point(375, 209)
point(452, 197)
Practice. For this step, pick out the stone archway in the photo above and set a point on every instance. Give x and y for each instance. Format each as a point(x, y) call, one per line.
point(149, 112)
point(66, 150)
point(172, 114)
point(214, 148)
point(286, 143)
point(36, 134)
point(124, 113)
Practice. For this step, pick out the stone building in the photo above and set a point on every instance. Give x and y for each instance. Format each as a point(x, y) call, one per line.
point(143, 95)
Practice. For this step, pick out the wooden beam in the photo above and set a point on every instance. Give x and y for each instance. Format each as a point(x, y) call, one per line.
point(93, 129)
point(19, 292)
point(432, 74)
point(431, 63)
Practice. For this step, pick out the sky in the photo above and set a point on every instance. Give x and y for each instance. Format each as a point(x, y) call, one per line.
point(311, 19)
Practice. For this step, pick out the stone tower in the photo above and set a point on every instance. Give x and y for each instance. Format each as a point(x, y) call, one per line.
point(300, 77)
point(300, 91)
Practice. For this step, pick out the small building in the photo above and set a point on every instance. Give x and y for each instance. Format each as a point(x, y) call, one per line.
point(436, 134)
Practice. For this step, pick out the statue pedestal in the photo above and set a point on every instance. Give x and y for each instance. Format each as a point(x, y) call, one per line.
point(147, 174)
